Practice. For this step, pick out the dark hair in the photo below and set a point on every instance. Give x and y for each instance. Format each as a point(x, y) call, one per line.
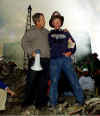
point(36, 17)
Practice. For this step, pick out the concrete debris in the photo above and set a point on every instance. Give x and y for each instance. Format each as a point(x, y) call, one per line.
point(14, 77)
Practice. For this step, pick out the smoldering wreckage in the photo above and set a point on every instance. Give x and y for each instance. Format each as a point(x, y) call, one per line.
point(14, 77)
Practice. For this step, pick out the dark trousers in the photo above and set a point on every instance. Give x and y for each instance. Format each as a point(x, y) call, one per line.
point(37, 84)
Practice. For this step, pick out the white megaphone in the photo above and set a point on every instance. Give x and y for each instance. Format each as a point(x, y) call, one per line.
point(37, 66)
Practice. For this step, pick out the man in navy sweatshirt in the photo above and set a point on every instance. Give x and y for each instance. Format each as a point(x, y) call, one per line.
point(62, 46)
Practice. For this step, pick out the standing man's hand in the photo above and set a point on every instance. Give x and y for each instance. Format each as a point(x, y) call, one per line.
point(33, 54)
point(67, 54)
point(65, 30)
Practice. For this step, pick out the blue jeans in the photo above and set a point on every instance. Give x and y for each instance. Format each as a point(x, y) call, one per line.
point(56, 65)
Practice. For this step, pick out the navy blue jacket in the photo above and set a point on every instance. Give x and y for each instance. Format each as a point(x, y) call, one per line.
point(58, 41)
point(2, 85)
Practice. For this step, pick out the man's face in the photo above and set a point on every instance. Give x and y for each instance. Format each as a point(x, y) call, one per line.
point(56, 23)
point(41, 21)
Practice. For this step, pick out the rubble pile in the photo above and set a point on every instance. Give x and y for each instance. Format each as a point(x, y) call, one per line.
point(91, 107)
point(14, 77)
